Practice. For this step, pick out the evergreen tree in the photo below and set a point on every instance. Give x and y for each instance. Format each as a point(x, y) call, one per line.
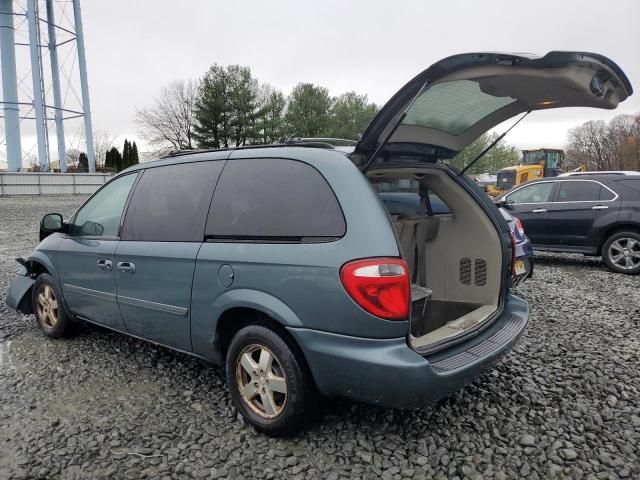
point(268, 126)
point(308, 111)
point(227, 107)
point(126, 154)
point(108, 160)
point(113, 160)
point(83, 162)
point(350, 115)
point(500, 156)
point(135, 160)
point(212, 109)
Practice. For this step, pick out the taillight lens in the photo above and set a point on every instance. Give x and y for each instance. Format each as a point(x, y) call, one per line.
point(513, 254)
point(379, 285)
point(519, 226)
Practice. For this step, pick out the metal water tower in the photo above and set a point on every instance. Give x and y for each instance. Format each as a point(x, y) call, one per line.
point(44, 40)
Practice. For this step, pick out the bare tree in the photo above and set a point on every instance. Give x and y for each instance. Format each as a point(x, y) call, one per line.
point(102, 143)
point(168, 124)
point(604, 146)
point(72, 158)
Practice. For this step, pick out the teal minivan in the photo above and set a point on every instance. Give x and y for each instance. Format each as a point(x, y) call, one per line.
point(282, 263)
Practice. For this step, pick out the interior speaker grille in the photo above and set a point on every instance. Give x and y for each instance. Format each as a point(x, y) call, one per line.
point(480, 273)
point(465, 271)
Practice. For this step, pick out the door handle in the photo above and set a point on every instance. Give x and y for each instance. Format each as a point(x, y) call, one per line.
point(539, 210)
point(599, 207)
point(126, 267)
point(106, 265)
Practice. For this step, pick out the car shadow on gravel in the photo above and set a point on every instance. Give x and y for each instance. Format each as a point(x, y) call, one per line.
point(330, 414)
point(570, 260)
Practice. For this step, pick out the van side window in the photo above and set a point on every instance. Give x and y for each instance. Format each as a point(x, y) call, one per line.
point(100, 216)
point(273, 199)
point(170, 203)
point(405, 196)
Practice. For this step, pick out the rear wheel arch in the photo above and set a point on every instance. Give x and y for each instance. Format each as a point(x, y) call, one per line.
point(234, 319)
point(613, 229)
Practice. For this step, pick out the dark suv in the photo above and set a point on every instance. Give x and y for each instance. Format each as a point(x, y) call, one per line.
point(590, 214)
point(283, 264)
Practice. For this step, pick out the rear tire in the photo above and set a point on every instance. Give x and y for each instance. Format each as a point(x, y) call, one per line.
point(269, 381)
point(48, 309)
point(621, 252)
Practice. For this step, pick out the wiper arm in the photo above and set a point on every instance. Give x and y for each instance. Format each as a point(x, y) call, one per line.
point(493, 144)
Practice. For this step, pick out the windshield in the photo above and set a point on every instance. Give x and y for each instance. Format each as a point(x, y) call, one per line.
point(533, 158)
point(538, 158)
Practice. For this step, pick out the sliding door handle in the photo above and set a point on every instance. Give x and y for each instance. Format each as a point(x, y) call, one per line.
point(599, 207)
point(539, 210)
point(104, 264)
point(126, 267)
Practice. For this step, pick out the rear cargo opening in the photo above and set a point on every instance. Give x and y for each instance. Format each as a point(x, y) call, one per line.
point(452, 249)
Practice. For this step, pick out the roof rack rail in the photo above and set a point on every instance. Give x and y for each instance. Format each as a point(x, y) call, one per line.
point(321, 142)
point(293, 142)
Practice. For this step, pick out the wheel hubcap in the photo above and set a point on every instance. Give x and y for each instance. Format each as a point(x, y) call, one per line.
point(625, 253)
point(47, 307)
point(261, 381)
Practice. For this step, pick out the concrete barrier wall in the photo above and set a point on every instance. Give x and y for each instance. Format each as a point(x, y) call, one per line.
point(35, 183)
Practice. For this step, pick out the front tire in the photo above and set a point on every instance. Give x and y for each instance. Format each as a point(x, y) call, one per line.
point(48, 309)
point(621, 252)
point(269, 382)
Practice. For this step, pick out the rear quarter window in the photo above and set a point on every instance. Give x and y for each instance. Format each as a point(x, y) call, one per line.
point(631, 184)
point(271, 199)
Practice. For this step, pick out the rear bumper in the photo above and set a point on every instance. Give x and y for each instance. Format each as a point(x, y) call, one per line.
point(389, 373)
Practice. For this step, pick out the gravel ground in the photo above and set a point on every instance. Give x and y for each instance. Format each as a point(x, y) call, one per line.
point(565, 403)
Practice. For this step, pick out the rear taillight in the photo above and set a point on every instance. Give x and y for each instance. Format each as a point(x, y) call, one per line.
point(379, 285)
point(519, 226)
point(513, 254)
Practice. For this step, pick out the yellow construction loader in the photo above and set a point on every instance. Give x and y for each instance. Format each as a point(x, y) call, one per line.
point(543, 162)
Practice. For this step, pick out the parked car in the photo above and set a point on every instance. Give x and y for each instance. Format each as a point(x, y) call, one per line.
point(523, 266)
point(409, 203)
point(283, 264)
point(589, 214)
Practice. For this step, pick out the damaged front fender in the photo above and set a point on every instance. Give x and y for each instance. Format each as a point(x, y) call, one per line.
point(19, 294)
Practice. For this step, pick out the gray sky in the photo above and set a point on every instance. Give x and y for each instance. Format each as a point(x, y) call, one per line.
point(134, 47)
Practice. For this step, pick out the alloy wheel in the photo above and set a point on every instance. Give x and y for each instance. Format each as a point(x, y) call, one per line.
point(47, 307)
point(261, 381)
point(625, 253)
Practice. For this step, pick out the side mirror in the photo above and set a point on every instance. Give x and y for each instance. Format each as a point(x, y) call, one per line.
point(502, 203)
point(91, 229)
point(51, 223)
